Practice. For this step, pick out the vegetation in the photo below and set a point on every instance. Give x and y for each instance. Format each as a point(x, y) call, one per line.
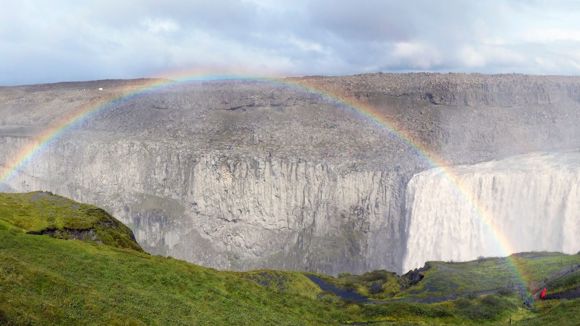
point(378, 285)
point(559, 312)
point(520, 271)
point(565, 283)
point(283, 282)
point(45, 213)
point(50, 281)
point(62, 263)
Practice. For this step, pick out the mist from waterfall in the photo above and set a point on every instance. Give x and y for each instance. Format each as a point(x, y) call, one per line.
point(524, 203)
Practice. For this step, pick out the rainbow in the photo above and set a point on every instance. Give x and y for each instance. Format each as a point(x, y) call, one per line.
point(309, 85)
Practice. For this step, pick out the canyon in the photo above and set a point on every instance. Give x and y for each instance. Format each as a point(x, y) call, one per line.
point(248, 174)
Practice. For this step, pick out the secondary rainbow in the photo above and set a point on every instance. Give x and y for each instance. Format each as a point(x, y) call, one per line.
point(43, 140)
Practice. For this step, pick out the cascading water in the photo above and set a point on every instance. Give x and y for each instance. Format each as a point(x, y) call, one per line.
point(524, 203)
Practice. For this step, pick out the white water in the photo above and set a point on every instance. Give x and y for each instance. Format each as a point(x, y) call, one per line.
point(533, 201)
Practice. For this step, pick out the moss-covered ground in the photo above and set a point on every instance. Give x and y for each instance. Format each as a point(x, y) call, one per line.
point(45, 213)
point(61, 278)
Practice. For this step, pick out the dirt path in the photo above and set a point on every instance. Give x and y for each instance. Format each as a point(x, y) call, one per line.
point(569, 294)
point(554, 277)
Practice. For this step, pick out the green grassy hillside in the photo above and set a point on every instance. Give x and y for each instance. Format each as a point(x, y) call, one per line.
point(63, 263)
point(45, 213)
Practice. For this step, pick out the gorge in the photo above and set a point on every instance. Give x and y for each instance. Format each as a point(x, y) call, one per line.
point(243, 174)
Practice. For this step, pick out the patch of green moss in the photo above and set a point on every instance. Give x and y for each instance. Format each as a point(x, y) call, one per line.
point(485, 308)
point(556, 312)
point(444, 279)
point(49, 281)
point(378, 284)
point(45, 213)
point(564, 283)
point(284, 282)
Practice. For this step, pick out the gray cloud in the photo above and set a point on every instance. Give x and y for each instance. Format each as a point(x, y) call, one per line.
point(44, 41)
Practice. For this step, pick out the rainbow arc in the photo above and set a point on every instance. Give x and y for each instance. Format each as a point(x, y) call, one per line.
point(308, 85)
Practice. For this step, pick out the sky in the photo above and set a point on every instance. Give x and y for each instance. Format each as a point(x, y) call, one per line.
point(59, 40)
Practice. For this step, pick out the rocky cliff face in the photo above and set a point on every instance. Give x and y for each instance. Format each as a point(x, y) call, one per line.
point(245, 175)
point(233, 212)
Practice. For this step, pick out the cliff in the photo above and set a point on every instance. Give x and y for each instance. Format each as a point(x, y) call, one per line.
point(248, 174)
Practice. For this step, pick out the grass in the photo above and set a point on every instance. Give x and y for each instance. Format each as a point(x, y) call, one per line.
point(45, 213)
point(295, 283)
point(51, 281)
point(561, 312)
point(490, 309)
point(377, 285)
point(568, 282)
point(443, 279)
point(62, 279)
point(536, 266)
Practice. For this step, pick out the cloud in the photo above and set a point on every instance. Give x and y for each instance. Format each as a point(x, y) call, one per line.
point(160, 25)
point(45, 41)
point(416, 55)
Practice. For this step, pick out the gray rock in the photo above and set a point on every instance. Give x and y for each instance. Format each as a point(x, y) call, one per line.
point(245, 174)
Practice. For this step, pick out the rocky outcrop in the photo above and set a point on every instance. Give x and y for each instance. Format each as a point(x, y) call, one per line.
point(43, 213)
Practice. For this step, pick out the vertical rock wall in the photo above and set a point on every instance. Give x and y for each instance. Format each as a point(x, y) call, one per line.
point(231, 212)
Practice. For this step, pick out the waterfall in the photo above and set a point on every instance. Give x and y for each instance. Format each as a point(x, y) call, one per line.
point(524, 203)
